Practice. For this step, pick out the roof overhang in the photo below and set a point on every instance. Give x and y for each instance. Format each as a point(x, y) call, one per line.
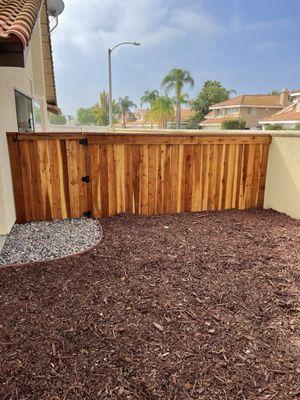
point(12, 53)
point(48, 63)
point(15, 40)
point(279, 122)
point(16, 26)
point(203, 123)
point(53, 109)
point(244, 106)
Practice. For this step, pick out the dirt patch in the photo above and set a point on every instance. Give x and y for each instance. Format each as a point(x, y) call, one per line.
point(166, 307)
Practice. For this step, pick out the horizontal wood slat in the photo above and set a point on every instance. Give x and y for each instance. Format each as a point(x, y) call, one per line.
point(143, 174)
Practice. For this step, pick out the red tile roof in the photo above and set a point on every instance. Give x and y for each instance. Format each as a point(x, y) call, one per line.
point(186, 114)
point(288, 114)
point(250, 100)
point(17, 19)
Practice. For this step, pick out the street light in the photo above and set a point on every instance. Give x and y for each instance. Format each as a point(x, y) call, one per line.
point(110, 80)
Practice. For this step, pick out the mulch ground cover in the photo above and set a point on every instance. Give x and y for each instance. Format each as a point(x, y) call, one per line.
point(189, 306)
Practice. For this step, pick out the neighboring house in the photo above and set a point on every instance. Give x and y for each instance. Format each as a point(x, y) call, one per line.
point(288, 117)
point(27, 88)
point(138, 120)
point(186, 114)
point(135, 119)
point(249, 108)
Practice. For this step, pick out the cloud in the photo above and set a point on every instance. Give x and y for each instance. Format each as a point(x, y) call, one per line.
point(240, 25)
point(94, 24)
point(264, 45)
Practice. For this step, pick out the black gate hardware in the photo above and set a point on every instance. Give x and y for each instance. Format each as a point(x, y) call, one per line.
point(84, 142)
point(85, 179)
point(87, 214)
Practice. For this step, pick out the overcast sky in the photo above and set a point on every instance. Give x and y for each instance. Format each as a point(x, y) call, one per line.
point(252, 46)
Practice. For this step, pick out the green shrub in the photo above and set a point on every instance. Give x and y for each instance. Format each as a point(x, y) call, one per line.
point(274, 127)
point(233, 124)
point(297, 127)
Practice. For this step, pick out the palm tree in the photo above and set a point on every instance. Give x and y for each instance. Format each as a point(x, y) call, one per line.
point(161, 111)
point(175, 80)
point(125, 104)
point(149, 97)
point(231, 92)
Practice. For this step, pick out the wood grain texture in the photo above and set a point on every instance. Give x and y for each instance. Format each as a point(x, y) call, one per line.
point(143, 174)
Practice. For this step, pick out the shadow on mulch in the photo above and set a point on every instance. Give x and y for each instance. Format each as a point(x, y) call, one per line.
point(186, 306)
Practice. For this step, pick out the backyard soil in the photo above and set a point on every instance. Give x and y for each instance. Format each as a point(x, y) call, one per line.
point(189, 306)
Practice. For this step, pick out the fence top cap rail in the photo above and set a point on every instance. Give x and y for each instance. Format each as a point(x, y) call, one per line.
point(186, 132)
point(161, 133)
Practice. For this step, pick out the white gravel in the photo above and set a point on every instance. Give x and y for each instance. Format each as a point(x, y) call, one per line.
point(40, 241)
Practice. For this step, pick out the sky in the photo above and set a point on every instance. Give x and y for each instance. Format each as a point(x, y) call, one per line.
point(251, 46)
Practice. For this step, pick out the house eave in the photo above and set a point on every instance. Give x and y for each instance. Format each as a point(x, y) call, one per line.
point(243, 106)
point(279, 122)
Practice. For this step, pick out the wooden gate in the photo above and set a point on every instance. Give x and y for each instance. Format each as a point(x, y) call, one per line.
point(70, 175)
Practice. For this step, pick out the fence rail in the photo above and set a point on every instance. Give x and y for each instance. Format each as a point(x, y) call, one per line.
point(63, 175)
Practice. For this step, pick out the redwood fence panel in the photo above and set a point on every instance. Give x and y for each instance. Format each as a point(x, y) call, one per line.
point(70, 175)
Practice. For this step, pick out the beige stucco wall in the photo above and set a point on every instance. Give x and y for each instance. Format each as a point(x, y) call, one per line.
point(252, 120)
point(283, 175)
point(30, 81)
point(257, 114)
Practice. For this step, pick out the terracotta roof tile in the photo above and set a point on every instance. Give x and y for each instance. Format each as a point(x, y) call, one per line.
point(251, 100)
point(289, 113)
point(186, 114)
point(17, 19)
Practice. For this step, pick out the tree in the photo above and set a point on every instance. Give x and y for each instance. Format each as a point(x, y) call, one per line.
point(97, 114)
point(175, 80)
point(162, 111)
point(37, 113)
point(275, 93)
point(149, 96)
point(125, 105)
point(87, 116)
point(59, 119)
point(212, 92)
point(102, 109)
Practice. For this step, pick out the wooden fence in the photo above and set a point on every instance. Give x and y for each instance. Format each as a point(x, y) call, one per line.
point(70, 175)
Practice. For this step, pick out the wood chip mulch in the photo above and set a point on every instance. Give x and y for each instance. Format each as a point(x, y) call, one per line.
point(189, 306)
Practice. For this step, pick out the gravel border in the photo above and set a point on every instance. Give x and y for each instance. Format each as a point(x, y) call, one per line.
point(49, 240)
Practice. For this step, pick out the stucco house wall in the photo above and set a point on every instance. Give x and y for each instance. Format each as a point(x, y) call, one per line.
point(29, 81)
point(283, 175)
point(257, 114)
point(252, 119)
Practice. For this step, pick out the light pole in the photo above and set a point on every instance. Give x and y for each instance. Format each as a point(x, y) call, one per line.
point(110, 79)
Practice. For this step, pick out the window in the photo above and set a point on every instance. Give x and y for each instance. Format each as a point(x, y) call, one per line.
point(232, 110)
point(24, 112)
point(249, 110)
point(218, 112)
